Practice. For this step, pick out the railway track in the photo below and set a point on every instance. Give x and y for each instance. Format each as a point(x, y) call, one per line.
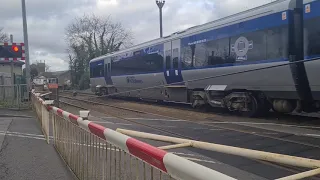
point(292, 119)
point(283, 139)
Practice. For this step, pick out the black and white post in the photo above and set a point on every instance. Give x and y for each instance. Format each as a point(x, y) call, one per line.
point(160, 4)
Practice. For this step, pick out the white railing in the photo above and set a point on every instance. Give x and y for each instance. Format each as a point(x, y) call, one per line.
point(95, 152)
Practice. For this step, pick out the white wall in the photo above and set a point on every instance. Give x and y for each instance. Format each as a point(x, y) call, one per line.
point(6, 68)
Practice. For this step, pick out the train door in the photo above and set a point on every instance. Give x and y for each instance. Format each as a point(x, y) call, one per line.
point(172, 62)
point(107, 71)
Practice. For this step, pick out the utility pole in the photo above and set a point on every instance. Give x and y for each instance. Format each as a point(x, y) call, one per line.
point(160, 4)
point(12, 64)
point(26, 44)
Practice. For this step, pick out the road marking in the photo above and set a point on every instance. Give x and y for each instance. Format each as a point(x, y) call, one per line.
point(24, 134)
point(312, 135)
point(253, 123)
point(216, 129)
point(107, 122)
point(264, 133)
point(150, 119)
point(199, 160)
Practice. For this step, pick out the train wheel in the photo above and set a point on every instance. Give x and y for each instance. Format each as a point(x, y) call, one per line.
point(253, 107)
point(104, 91)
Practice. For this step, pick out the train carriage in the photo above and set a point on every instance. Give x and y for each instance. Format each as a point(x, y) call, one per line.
point(238, 62)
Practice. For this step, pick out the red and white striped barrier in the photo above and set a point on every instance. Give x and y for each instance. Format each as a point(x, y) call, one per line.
point(175, 166)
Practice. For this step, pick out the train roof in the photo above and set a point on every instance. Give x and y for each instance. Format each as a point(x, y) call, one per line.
point(308, 1)
point(269, 8)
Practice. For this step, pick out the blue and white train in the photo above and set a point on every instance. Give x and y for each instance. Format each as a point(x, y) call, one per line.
point(202, 65)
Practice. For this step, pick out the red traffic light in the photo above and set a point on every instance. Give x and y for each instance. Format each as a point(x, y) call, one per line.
point(15, 48)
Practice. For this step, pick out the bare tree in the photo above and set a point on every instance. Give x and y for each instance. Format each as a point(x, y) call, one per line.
point(91, 36)
point(47, 67)
point(3, 36)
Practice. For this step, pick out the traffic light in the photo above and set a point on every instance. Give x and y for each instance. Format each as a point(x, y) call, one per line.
point(12, 51)
point(15, 48)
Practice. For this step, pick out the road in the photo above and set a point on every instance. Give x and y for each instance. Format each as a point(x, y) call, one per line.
point(279, 138)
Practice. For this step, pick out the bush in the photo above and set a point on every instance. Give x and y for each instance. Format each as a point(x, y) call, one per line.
point(84, 82)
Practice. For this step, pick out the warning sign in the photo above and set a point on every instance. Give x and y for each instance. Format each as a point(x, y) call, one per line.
point(307, 8)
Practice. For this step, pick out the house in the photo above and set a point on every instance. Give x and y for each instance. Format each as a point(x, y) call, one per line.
point(64, 77)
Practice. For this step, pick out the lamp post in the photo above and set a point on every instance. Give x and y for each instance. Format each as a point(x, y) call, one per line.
point(26, 44)
point(160, 4)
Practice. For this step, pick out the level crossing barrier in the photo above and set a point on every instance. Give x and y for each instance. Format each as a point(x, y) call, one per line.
point(96, 152)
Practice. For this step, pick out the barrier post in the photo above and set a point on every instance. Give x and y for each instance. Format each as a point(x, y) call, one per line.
point(46, 119)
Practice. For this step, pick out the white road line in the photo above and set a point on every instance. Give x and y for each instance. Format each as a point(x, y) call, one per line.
point(150, 119)
point(264, 133)
point(16, 135)
point(253, 123)
point(216, 129)
point(106, 122)
point(312, 135)
point(24, 134)
point(199, 160)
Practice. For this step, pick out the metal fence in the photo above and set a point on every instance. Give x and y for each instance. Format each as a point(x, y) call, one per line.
point(91, 157)
point(95, 152)
point(14, 96)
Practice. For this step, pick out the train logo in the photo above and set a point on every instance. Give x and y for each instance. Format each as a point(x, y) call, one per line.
point(151, 50)
point(241, 48)
point(133, 80)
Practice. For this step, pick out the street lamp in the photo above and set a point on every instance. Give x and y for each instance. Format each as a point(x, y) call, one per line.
point(26, 44)
point(160, 4)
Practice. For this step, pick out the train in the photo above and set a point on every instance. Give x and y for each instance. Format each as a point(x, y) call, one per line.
point(250, 62)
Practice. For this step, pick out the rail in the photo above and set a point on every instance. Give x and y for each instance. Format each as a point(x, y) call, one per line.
point(95, 152)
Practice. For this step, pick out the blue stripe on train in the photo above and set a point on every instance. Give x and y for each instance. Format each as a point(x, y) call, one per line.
point(265, 22)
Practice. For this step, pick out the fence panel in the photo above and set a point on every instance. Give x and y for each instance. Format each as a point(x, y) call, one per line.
point(91, 157)
point(14, 96)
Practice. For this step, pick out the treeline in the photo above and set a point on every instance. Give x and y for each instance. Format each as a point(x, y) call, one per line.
point(91, 36)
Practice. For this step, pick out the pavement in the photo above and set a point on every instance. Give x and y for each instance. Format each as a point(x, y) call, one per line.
point(24, 153)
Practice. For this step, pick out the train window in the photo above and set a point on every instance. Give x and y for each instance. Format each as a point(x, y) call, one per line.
point(218, 52)
point(312, 37)
point(168, 59)
point(187, 56)
point(175, 58)
point(277, 43)
point(138, 64)
point(97, 71)
point(201, 55)
point(250, 46)
point(211, 53)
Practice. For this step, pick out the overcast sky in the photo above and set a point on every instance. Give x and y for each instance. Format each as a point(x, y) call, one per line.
point(47, 20)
